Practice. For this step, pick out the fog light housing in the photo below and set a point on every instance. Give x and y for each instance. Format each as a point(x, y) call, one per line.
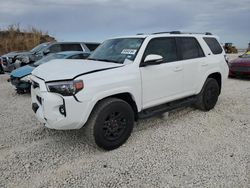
point(62, 110)
point(35, 107)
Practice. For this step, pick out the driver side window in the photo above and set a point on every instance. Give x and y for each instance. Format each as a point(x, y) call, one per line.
point(165, 47)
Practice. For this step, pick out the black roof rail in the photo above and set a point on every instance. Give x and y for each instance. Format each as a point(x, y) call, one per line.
point(170, 32)
point(175, 32)
point(179, 32)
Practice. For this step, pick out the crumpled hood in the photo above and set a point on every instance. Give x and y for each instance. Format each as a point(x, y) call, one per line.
point(66, 69)
point(22, 71)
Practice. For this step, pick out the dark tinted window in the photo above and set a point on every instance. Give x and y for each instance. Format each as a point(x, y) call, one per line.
point(91, 47)
point(71, 47)
point(166, 47)
point(55, 48)
point(214, 45)
point(190, 48)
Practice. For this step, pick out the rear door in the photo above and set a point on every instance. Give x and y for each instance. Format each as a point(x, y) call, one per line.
point(193, 59)
point(163, 82)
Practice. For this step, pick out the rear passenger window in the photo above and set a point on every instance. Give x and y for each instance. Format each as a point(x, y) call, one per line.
point(190, 48)
point(214, 45)
point(165, 47)
point(71, 47)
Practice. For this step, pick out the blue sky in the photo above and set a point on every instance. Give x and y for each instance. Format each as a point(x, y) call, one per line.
point(97, 20)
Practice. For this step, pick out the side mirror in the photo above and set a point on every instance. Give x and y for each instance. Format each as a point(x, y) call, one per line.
point(46, 52)
point(153, 59)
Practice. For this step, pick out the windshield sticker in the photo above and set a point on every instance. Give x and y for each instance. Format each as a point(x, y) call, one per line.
point(129, 51)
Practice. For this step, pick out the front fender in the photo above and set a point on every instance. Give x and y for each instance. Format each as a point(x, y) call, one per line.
point(102, 95)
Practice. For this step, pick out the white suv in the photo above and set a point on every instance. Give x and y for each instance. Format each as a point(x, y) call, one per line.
point(128, 78)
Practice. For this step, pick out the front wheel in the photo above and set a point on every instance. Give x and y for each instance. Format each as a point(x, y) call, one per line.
point(110, 123)
point(208, 97)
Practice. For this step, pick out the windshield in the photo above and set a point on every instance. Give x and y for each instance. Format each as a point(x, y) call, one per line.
point(48, 58)
point(117, 50)
point(39, 47)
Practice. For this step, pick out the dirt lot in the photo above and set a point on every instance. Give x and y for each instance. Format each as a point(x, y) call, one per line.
point(190, 148)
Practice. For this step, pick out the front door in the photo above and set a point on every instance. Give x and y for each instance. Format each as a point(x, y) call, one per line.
point(164, 82)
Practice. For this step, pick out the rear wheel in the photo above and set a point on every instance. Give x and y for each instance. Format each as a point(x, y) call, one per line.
point(110, 123)
point(208, 97)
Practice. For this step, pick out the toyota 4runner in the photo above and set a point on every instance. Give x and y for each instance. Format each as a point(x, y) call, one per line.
point(128, 78)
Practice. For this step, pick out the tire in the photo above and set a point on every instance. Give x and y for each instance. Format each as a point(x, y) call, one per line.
point(208, 96)
point(110, 124)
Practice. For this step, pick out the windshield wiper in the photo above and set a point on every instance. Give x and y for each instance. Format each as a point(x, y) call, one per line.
point(109, 60)
point(93, 59)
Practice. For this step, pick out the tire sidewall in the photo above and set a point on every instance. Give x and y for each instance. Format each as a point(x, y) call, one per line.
point(211, 83)
point(127, 111)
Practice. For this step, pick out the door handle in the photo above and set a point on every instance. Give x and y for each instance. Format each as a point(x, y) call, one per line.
point(177, 69)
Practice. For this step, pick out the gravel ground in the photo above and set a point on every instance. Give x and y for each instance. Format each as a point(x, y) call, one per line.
point(189, 148)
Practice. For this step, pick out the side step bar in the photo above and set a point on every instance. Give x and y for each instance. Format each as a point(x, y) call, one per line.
point(156, 110)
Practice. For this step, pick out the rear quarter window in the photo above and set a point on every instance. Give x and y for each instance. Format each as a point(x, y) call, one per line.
point(214, 45)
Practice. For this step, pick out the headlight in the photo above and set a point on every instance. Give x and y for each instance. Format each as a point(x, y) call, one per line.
point(26, 78)
point(67, 88)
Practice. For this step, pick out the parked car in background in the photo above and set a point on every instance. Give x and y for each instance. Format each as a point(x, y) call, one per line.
point(15, 60)
point(20, 77)
point(128, 78)
point(240, 66)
